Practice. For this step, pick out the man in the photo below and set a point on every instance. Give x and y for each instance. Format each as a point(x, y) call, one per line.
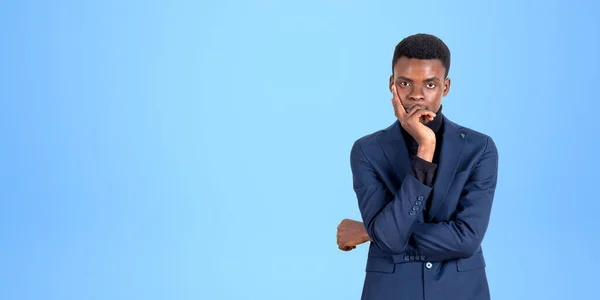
point(425, 187)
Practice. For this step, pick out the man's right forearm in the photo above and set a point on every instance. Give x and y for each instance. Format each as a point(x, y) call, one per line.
point(426, 152)
point(385, 227)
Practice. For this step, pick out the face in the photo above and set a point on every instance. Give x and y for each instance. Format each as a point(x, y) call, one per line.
point(420, 83)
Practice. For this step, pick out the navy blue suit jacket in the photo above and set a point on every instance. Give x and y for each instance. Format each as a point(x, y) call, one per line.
point(426, 241)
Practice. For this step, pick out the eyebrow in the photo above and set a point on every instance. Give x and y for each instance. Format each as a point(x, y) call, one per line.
point(410, 80)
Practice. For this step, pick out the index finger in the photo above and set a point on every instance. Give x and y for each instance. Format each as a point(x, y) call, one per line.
point(400, 110)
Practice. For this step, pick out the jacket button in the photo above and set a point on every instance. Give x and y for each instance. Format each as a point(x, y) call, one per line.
point(412, 213)
point(421, 198)
point(428, 265)
point(406, 258)
point(418, 202)
point(415, 208)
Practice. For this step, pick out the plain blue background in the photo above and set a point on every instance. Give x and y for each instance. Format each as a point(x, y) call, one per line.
point(200, 150)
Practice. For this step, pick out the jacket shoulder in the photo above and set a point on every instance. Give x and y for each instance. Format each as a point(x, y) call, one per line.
point(371, 139)
point(481, 139)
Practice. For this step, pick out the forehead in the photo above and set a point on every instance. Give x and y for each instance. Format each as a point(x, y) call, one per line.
point(419, 68)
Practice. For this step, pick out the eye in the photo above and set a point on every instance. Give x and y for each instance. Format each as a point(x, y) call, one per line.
point(431, 85)
point(404, 83)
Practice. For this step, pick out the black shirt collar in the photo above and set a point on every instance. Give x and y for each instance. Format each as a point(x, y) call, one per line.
point(436, 124)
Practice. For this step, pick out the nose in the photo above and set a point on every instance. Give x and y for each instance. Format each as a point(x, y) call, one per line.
point(416, 94)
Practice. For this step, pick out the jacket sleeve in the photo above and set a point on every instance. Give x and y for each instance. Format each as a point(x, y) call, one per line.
point(388, 216)
point(461, 236)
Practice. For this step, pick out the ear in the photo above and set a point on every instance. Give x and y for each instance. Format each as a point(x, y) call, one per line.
point(446, 87)
point(391, 82)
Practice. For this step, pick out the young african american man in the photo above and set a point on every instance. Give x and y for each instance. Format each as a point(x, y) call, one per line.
point(425, 187)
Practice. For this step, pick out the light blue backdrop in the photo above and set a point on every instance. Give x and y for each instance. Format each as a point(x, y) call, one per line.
point(200, 150)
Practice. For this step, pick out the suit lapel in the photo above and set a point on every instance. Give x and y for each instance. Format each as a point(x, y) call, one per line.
point(450, 154)
point(394, 149)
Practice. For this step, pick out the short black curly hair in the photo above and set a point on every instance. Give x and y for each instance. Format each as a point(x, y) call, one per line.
point(422, 46)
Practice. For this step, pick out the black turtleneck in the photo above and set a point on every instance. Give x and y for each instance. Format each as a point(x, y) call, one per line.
point(421, 169)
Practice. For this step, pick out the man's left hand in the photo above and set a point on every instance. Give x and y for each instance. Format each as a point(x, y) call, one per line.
point(351, 233)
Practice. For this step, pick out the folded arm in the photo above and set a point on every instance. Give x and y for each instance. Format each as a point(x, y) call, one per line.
point(388, 217)
point(457, 238)
point(462, 235)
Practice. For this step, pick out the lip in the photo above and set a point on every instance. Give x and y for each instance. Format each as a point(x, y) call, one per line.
point(416, 106)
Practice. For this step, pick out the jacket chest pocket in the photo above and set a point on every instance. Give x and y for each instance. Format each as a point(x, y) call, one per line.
point(458, 183)
point(452, 196)
point(461, 178)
